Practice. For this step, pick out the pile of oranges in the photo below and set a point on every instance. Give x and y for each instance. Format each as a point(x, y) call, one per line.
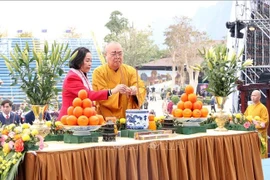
point(189, 106)
point(81, 112)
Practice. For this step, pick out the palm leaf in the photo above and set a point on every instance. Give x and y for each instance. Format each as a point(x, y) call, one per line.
point(14, 169)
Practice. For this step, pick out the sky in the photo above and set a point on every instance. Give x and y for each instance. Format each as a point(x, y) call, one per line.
point(89, 16)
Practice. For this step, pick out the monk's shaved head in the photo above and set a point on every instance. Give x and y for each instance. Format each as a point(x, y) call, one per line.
point(114, 55)
point(113, 43)
point(256, 96)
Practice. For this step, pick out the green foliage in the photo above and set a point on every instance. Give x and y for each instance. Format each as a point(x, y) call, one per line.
point(138, 47)
point(169, 89)
point(116, 25)
point(175, 99)
point(220, 68)
point(37, 72)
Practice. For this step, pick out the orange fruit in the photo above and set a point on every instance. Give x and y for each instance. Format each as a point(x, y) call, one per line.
point(78, 111)
point(70, 110)
point(188, 105)
point(71, 120)
point(173, 112)
point(93, 120)
point(77, 102)
point(204, 112)
point(197, 105)
point(101, 119)
point(187, 113)
point(178, 113)
point(82, 121)
point(64, 119)
point(82, 94)
point(86, 103)
point(94, 111)
point(200, 103)
point(192, 97)
point(88, 112)
point(196, 113)
point(184, 97)
point(151, 117)
point(189, 89)
point(180, 105)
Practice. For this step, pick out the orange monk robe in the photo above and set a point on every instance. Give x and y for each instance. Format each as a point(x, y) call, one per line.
point(261, 111)
point(105, 78)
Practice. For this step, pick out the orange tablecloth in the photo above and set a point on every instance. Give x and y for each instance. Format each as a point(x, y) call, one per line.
point(235, 156)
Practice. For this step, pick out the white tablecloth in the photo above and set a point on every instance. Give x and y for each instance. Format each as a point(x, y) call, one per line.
point(121, 141)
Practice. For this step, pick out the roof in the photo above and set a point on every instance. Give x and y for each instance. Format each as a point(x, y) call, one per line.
point(160, 64)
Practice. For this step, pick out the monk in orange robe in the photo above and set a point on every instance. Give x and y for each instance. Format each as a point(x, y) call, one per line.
point(115, 72)
point(258, 109)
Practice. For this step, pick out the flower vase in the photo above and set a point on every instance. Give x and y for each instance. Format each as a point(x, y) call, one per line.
point(39, 123)
point(221, 116)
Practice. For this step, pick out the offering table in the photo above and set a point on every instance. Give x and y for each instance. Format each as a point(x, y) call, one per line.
point(211, 155)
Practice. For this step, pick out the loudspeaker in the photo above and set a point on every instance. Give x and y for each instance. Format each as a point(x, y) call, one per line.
point(264, 78)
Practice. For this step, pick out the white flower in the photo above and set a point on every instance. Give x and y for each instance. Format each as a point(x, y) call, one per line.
point(18, 129)
point(262, 124)
point(248, 62)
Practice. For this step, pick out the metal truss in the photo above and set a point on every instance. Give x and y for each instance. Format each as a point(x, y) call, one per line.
point(257, 43)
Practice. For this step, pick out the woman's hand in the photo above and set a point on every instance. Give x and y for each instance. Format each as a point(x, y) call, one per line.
point(121, 88)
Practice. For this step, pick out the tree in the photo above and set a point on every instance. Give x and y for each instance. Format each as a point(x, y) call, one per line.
point(71, 33)
point(116, 25)
point(177, 38)
point(138, 47)
point(183, 41)
point(198, 40)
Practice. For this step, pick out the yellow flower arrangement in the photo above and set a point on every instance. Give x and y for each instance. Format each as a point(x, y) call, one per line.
point(241, 121)
point(15, 142)
point(56, 127)
point(121, 124)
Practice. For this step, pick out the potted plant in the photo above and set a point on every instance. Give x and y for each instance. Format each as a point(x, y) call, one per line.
point(38, 71)
point(220, 68)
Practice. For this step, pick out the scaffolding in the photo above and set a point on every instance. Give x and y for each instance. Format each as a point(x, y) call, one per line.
point(257, 43)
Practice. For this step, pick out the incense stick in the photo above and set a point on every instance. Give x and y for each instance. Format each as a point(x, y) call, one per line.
point(138, 92)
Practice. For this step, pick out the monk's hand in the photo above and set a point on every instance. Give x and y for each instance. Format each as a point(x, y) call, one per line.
point(132, 90)
point(121, 88)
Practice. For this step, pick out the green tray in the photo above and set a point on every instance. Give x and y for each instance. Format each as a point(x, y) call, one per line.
point(54, 137)
point(69, 138)
point(210, 126)
point(239, 127)
point(190, 129)
point(130, 133)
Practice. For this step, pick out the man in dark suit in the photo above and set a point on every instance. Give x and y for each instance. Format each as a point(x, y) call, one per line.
point(30, 117)
point(7, 116)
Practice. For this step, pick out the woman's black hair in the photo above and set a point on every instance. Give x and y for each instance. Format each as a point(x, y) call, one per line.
point(78, 60)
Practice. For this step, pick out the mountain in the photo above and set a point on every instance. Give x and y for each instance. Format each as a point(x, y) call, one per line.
point(212, 19)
